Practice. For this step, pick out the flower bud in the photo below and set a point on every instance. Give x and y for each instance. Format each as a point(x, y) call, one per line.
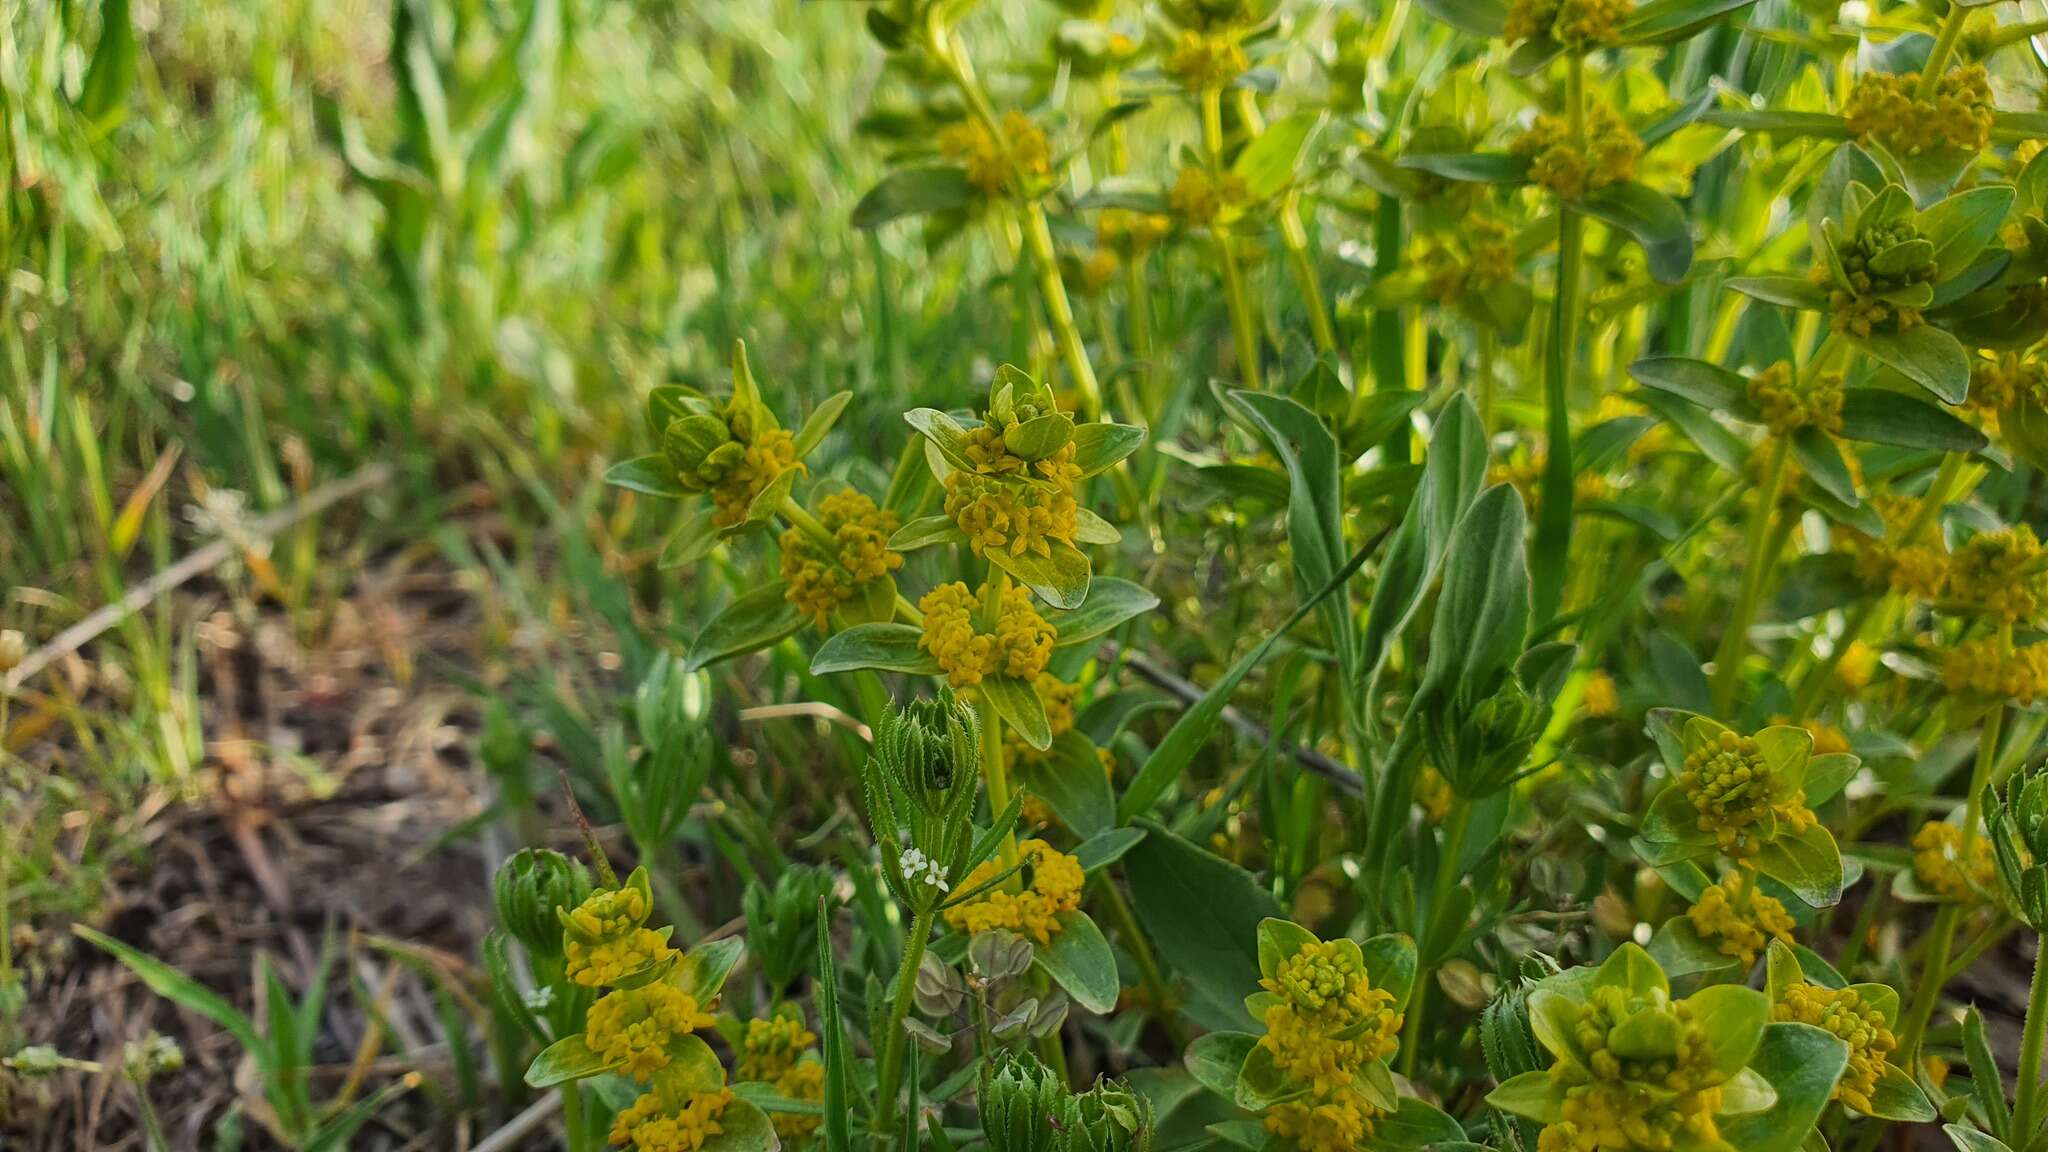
point(930, 746)
point(530, 885)
point(702, 449)
point(2018, 827)
point(1109, 1118)
point(1023, 1106)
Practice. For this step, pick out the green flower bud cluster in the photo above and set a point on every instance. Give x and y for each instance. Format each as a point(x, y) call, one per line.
point(2018, 826)
point(528, 888)
point(919, 783)
point(1025, 1107)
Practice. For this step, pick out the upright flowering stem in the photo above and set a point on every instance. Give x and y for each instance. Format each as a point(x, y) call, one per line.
point(1294, 239)
point(2026, 1113)
point(1037, 230)
point(1242, 324)
point(1935, 962)
point(889, 1074)
point(1756, 561)
point(1554, 520)
point(1944, 46)
point(996, 773)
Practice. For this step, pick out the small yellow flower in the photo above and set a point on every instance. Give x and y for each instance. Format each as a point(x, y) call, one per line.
point(1129, 230)
point(1201, 61)
point(1998, 383)
point(1940, 867)
point(2003, 574)
point(819, 581)
point(1489, 261)
point(779, 1051)
point(1989, 668)
point(1888, 109)
point(1787, 408)
point(1571, 169)
point(765, 457)
point(1433, 793)
point(1020, 647)
point(1053, 882)
point(1204, 200)
point(606, 940)
point(1334, 1122)
point(1614, 1102)
point(1861, 1026)
point(1729, 783)
point(671, 1120)
point(1576, 24)
point(635, 1025)
point(990, 167)
point(1600, 698)
point(1856, 668)
point(1740, 919)
point(1918, 571)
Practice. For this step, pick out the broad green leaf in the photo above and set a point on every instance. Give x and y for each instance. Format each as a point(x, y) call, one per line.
point(1732, 1019)
point(1215, 1058)
point(1471, 167)
point(1072, 783)
point(883, 647)
point(1653, 219)
point(1391, 959)
point(1482, 18)
point(744, 1127)
point(1684, 956)
point(1416, 1124)
point(1099, 446)
point(914, 192)
point(1823, 464)
point(821, 422)
point(926, 531)
point(1881, 416)
point(760, 619)
point(1080, 961)
point(1018, 703)
point(1111, 603)
point(1274, 157)
point(1202, 914)
point(1803, 1063)
point(1788, 291)
point(1106, 847)
point(566, 1059)
point(652, 474)
point(1707, 385)
point(1451, 478)
point(1669, 21)
point(704, 968)
point(692, 542)
point(1315, 502)
point(1261, 1083)
point(1961, 225)
point(1533, 1095)
point(1897, 1097)
point(1926, 355)
point(1482, 615)
point(1808, 863)
point(1280, 940)
point(1060, 579)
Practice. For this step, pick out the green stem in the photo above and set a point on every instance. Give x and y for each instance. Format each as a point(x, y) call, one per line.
point(2027, 1112)
point(572, 1116)
point(1757, 562)
point(1294, 238)
point(890, 1072)
point(1149, 973)
point(1935, 963)
point(1242, 326)
point(1554, 520)
point(1944, 45)
point(1440, 894)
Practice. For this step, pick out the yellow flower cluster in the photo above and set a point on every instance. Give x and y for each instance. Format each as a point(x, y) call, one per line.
point(1328, 1023)
point(1739, 918)
point(2003, 574)
point(1576, 24)
point(1873, 264)
point(1919, 570)
point(1787, 408)
point(1053, 882)
point(634, 1026)
point(1489, 261)
point(772, 1052)
point(1013, 503)
point(765, 457)
point(1989, 668)
point(1998, 383)
point(672, 1118)
point(1572, 169)
point(1861, 1026)
point(1433, 793)
point(1123, 228)
point(1940, 867)
point(1616, 1102)
point(818, 581)
point(990, 164)
point(1729, 783)
point(608, 939)
point(1201, 61)
point(1888, 109)
point(1202, 200)
point(1600, 698)
point(1019, 648)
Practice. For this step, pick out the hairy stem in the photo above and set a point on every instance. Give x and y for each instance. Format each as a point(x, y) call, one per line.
point(889, 1074)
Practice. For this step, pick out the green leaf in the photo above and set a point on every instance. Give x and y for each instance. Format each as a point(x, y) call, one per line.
point(1060, 579)
point(104, 95)
point(1668, 21)
point(1106, 847)
point(914, 192)
point(1731, 1019)
point(1017, 702)
point(1080, 961)
point(1315, 502)
point(821, 422)
point(1803, 1063)
point(1098, 447)
point(1271, 161)
point(1926, 355)
point(179, 988)
point(1073, 785)
point(1533, 1095)
point(1111, 603)
point(1090, 528)
point(1202, 913)
point(1451, 478)
point(1261, 1083)
point(1961, 225)
point(838, 1058)
point(1391, 959)
point(1970, 1140)
point(652, 474)
point(1707, 385)
point(1653, 219)
point(1882, 416)
point(760, 619)
point(883, 647)
point(692, 542)
point(743, 1128)
point(1471, 167)
point(1679, 950)
point(926, 531)
point(566, 1059)
point(1788, 291)
point(704, 968)
point(1215, 1058)
point(1482, 614)
point(1280, 940)
point(1897, 1097)
point(1482, 18)
point(1823, 464)
point(1416, 1124)
point(1809, 864)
